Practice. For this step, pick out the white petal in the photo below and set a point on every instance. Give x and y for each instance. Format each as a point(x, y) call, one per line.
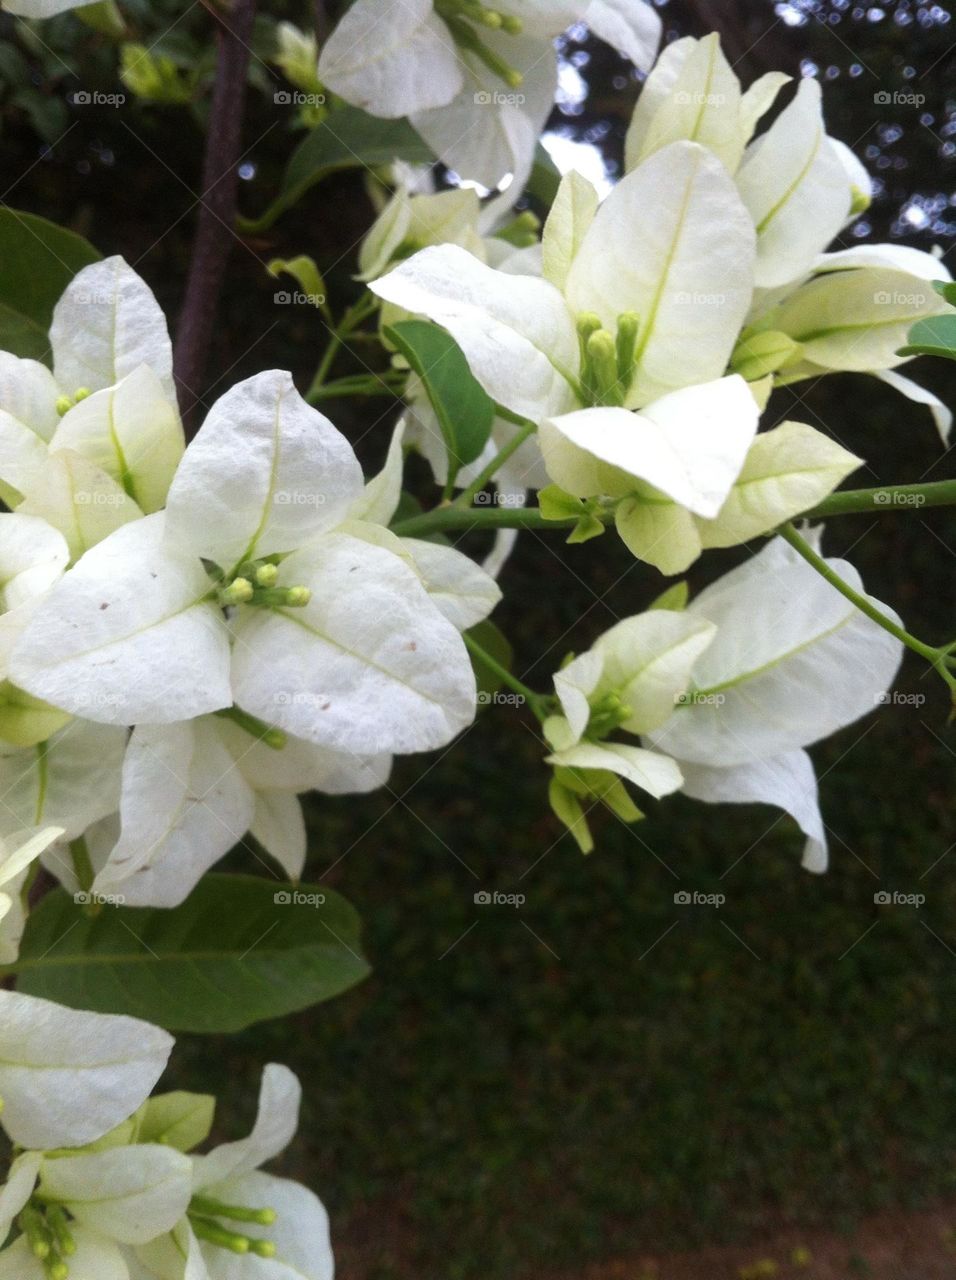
point(632, 27)
point(184, 805)
point(70, 781)
point(759, 98)
point(652, 250)
point(787, 471)
point(795, 186)
point(654, 773)
point(379, 500)
point(132, 431)
point(28, 393)
point(857, 320)
point(79, 499)
point(18, 1189)
point(17, 855)
point(276, 1121)
point(898, 257)
point(463, 592)
point(265, 473)
point(942, 414)
point(697, 99)
point(568, 222)
point(787, 781)
point(106, 324)
point(659, 532)
point(127, 636)
point(33, 556)
point(391, 57)
point(300, 1233)
point(302, 766)
point(369, 665)
point(574, 685)
point(279, 827)
point(792, 662)
point(129, 1194)
point(690, 444)
point(516, 332)
point(52, 1057)
point(488, 130)
point(647, 660)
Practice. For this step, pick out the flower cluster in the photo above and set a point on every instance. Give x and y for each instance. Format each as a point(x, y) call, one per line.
point(104, 1183)
point(191, 638)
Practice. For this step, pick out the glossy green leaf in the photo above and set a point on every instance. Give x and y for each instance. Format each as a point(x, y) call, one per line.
point(935, 336)
point(37, 261)
point(239, 950)
point(464, 410)
point(346, 139)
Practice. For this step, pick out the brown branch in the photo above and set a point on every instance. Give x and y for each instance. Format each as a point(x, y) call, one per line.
point(217, 213)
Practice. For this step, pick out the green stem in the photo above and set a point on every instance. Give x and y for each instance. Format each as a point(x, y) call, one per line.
point(464, 499)
point(940, 493)
point(353, 317)
point(362, 385)
point(935, 657)
point(536, 701)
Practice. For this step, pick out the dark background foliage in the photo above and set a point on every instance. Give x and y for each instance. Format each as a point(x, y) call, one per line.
point(601, 1072)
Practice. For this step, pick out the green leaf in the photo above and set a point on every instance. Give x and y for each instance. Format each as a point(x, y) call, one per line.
point(495, 644)
point(346, 139)
point(240, 949)
point(464, 410)
point(946, 289)
point(545, 177)
point(556, 504)
point(180, 1120)
point(303, 270)
point(674, 598)
point(37, 261)
point(935, 336)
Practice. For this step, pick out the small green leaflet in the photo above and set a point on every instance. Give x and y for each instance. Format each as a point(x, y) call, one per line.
point(464, 410)
point(935, 336)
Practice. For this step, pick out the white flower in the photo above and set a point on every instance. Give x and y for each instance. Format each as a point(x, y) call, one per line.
point(337, 643)
point(190, 792)
point(478, 92)
point(110, 397)
point(792, 662)
point(66, 1077)
point(242, 1222)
